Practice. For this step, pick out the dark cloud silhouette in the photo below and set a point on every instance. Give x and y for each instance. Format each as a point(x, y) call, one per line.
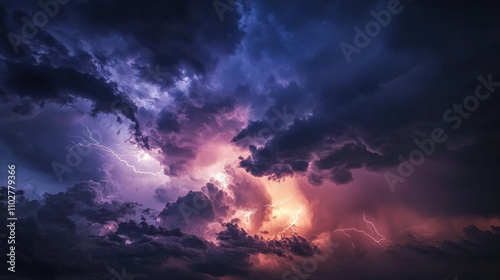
point(54, 246)
point(369, 112)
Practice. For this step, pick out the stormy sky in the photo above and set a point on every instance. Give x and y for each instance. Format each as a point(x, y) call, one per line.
point(238, 139)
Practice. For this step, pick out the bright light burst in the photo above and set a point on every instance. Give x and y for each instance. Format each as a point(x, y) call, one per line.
point(292, 223)
point(221, 177)
point(289, 227)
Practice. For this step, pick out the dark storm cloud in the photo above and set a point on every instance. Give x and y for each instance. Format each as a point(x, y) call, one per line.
point(450, 260)
point(61, 85)
point(85, 199)
point(26, 108)
point(195, 117)
point(172, 36)
point(44, 83)
point(316, 115)
point(219, 200)
point(395, 91)
point(40, 145)
point(252, 130)
point(74, 55)
point(467, 182)
point(167, 122)
point(170, 32)
point(53, 244)
point(54, 249)
point(191, 212)
point(298, 14)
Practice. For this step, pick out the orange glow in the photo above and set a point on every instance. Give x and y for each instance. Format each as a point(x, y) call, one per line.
point(288, 213)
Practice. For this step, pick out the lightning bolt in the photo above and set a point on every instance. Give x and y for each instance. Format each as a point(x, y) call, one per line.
point(248, 214)
point(279, 202)
point(375, 235)
point(91, 142)
point(291, 225)
point(350, 237)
